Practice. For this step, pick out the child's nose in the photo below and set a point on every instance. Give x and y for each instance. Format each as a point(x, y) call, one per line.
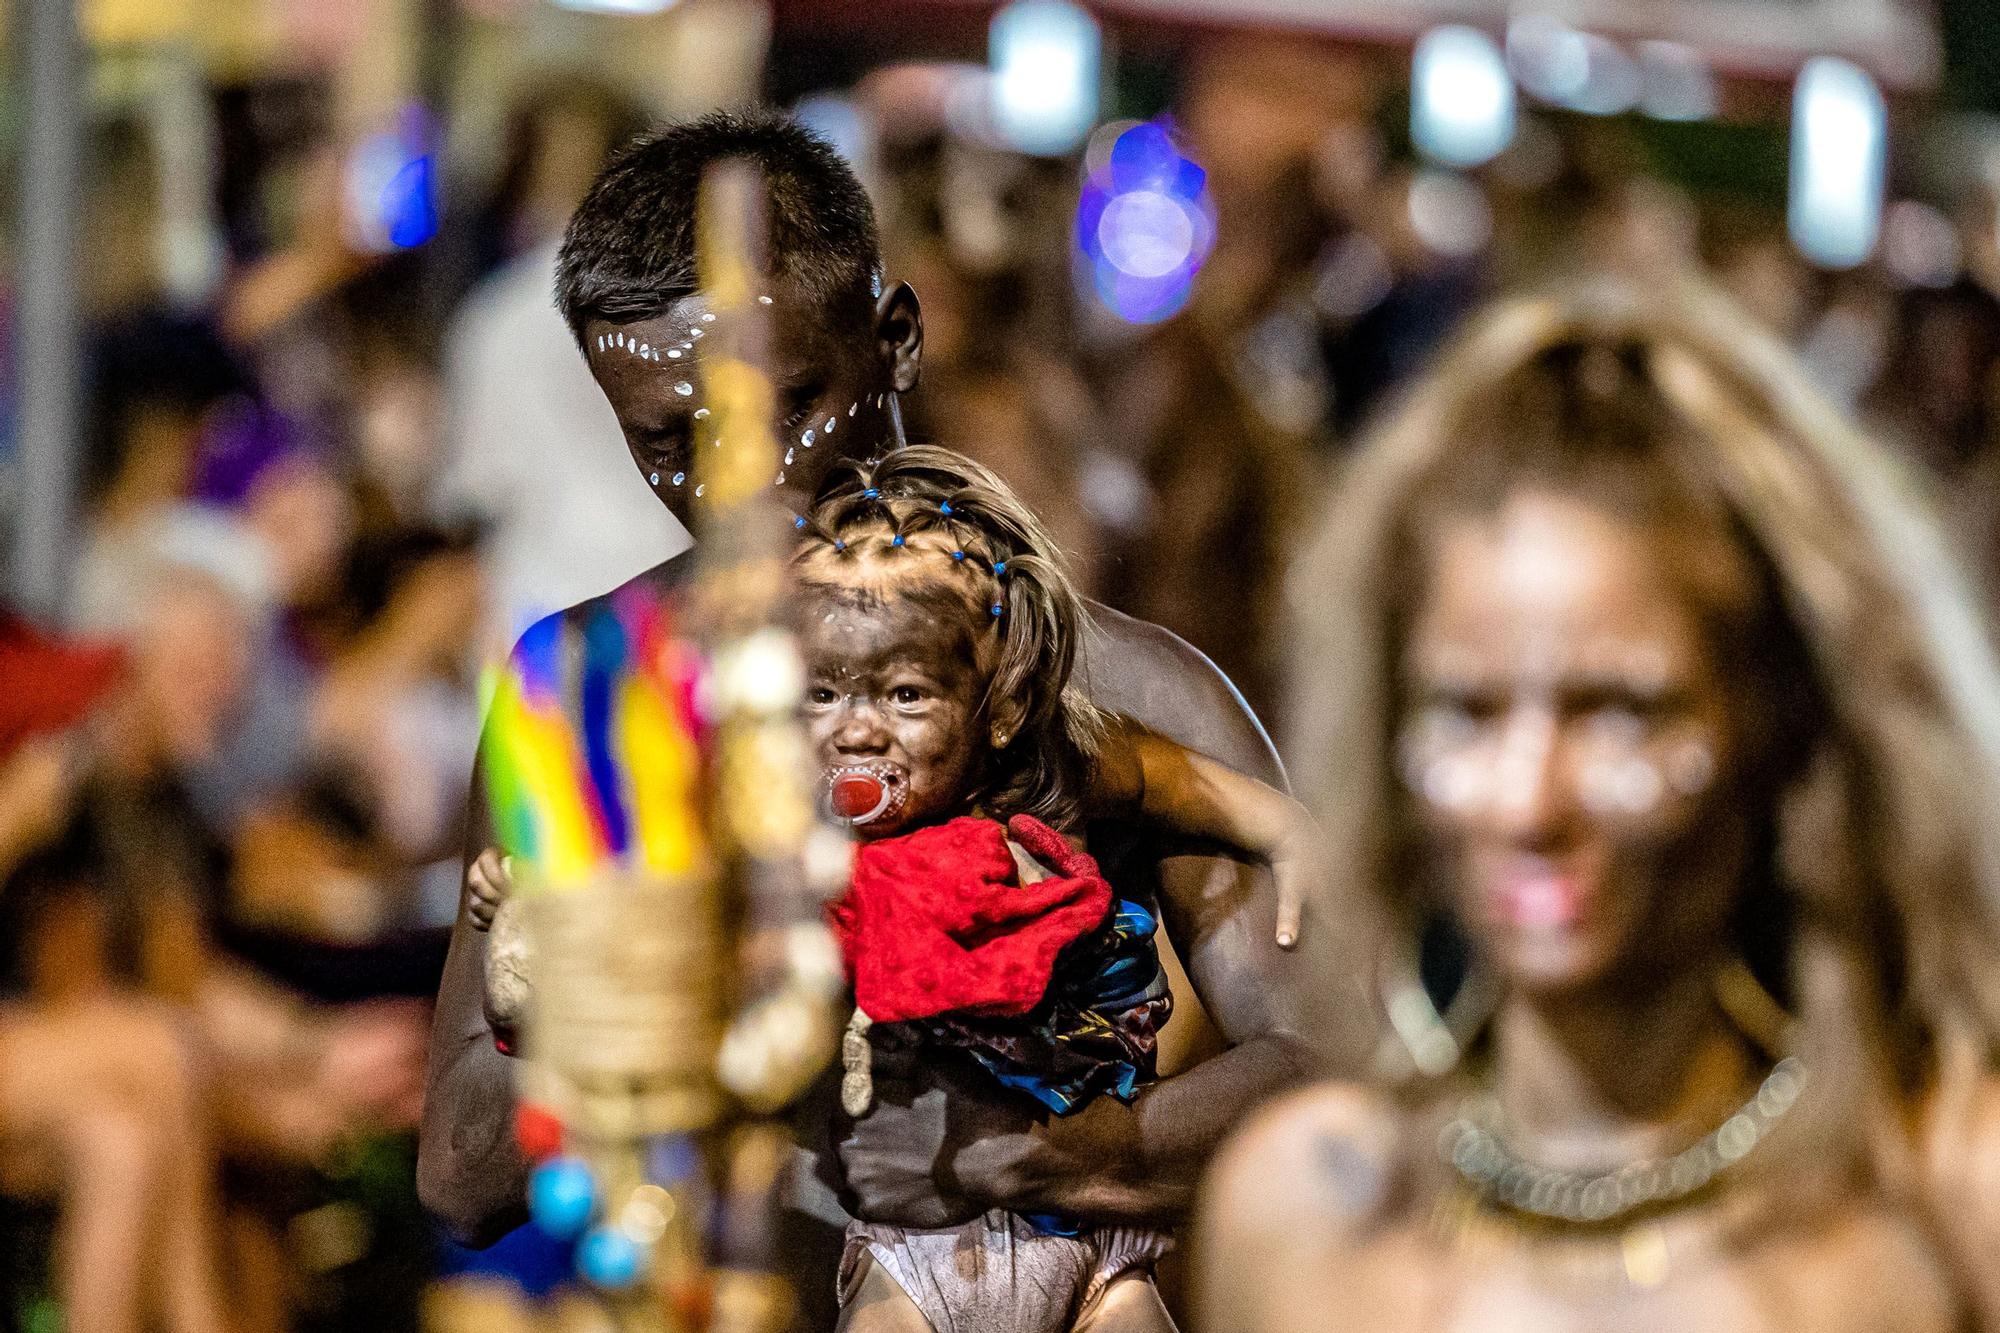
point(860, 730)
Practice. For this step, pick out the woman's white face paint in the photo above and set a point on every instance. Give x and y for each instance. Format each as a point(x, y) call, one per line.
point(1618, 762)
point(1564, 732)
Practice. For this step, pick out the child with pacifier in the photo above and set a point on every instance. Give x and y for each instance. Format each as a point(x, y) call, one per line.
point(939, 629)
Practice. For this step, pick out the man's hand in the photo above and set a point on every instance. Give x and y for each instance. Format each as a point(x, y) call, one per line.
point(1298, 865)
point(941, 1145)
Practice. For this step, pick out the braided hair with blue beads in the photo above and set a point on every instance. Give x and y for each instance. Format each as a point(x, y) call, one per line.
point(929, 516)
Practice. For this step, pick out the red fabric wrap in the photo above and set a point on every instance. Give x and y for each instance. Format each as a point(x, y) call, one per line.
point(938, 922)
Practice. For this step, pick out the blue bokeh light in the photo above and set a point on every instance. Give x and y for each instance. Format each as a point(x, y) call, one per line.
point(1144, 226)
point(562, 1195)
point(610, 1259)
point(392, 186)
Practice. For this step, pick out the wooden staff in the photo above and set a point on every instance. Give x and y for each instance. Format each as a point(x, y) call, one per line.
point(673, 1014)
point(784, 860)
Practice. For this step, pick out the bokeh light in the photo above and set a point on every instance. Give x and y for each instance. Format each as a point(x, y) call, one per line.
point(1461, 98)
point(1045, 56)
point(1920, 245)
point(1678, 83)
point(1839, 138)
point(1144, 224)
point(392, 186)
point(617, 6)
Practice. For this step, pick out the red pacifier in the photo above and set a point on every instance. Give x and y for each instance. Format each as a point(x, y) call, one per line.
point(859, 794)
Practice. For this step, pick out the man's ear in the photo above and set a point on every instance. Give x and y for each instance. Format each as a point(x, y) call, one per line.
point(899, 335)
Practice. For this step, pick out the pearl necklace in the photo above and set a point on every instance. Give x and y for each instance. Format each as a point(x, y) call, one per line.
point(1473, 1147)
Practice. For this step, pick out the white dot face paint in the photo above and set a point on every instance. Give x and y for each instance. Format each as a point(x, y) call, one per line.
point(1629, 786)
point(852, 408)
point(701, 414)
point(708, 319)
point(806, 439)
point(680, 477)
point(621, 337)
point(830, 424)
point(1690, 767)
point(692, 335)
point(788, 457)
point(699, 491)
point(673, 354)
point(1458, 785)
point(645, 349)
point(656, 478)
point(780, 481)
point(684, 389)
point(763, 300)
point(1442, 762)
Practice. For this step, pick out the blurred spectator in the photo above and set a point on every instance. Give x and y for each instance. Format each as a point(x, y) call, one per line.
point(1939, 399)
point(560, 128)
point(102, 1099)
point(1225, 489)
point(534, 452)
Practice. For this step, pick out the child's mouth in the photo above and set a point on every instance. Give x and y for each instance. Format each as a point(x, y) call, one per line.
point(859, 794)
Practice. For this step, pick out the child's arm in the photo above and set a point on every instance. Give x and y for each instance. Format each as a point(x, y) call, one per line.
point(491, 907)
point(488, 882)
point(1142, 773)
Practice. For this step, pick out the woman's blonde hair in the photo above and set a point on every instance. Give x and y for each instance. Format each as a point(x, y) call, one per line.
point(1885, 837)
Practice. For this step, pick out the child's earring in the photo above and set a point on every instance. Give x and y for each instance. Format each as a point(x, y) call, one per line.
point(1001, 736)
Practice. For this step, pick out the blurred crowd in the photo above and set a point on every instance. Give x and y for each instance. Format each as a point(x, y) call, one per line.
point(318, 496)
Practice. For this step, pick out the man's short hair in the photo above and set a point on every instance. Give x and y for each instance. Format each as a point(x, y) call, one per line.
point(629, 251)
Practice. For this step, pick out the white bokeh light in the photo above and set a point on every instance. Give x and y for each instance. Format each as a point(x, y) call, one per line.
point(1046, 57)
point(1146, 234)
point(1461, 97)
point(1839, 139)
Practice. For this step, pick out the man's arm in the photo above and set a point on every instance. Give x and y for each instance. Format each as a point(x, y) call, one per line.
point(1142, 1160)
point(470, 1173)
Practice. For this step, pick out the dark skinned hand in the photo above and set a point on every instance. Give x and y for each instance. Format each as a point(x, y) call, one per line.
point(941, 1143)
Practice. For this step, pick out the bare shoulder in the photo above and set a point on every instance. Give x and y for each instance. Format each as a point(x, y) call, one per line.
point(658, 583)
point(1289, 1208)
point(1159, 679)
point(1314, 1164)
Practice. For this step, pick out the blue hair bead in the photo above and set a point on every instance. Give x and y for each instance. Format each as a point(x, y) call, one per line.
point(996, 608)
point(958, 555)
point(840, 544)
point(896, 540)
point(999, 566)
point(799, 522)
point(945, 508)
point(871, 494)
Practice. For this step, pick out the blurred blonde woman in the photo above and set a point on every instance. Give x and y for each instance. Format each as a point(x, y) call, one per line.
point(1626, 663)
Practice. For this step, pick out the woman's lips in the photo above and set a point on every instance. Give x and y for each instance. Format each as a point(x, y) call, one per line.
point(1538, 896)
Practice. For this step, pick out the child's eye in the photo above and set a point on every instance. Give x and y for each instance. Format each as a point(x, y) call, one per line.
point(819, 694)
point(906, 695)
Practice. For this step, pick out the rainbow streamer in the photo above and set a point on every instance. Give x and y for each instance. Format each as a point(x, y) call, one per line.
point(610, 769)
